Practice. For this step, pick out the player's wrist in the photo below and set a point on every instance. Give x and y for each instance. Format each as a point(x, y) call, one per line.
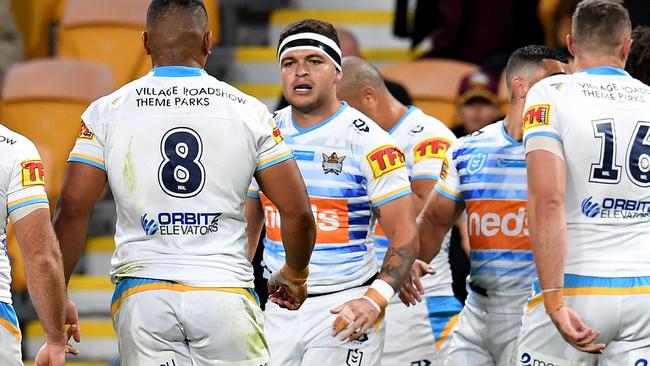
point(553, 300)
point(295, 277)
point(379, 294)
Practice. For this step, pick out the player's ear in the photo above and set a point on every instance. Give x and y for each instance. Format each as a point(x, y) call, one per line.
point(145, 42)
point(370, 97)
point(625, 50)
point(338, 76)
point(207, 43)
point(570, 45)
point(519, 87)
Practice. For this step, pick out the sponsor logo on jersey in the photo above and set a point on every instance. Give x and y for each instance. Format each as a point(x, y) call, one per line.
point(534, 359)
point(333, 164)
point(445, 169)
point(385, 159)
point(498, 224)
point(476, 163)
point(354, 357)
point(33, 173)
point(181, 223)
point(417, 129)
point(615, 208)
point(360, 125)
point(277, 135)
point(434, 148)
point(84, 132)
point(421, 363)
point(331, 216)
point(537, 115)
point(7, 140)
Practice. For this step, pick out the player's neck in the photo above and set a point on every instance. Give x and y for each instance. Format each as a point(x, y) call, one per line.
point(393, 112)
point(512, 121)
point(583, 62)
point(309, 118)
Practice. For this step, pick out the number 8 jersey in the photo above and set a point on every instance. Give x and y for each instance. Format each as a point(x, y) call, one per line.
point(598, 121)
point(180, 148)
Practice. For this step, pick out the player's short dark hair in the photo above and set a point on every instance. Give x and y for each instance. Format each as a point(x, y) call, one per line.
point(310, 26)
point(600, 25)
point(158, 7)
point(531, 55)
point(638, 61)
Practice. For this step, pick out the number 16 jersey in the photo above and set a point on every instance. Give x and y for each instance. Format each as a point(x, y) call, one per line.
point(180, 148)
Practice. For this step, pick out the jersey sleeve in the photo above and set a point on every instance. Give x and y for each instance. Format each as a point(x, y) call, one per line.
point(541, 125)
point(271, 148)
point(89, 146)
point(253, 190)
point(428, 155)
point(26, 190)
point(449, 183)
point(384, 166)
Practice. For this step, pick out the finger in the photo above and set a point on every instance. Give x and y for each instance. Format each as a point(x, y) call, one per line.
point(419, 287)
point(415, 293)
point(337, 309)
point(590, 338)
point(592, 348)
point(340, 323)
point(406, 297)
point(76, 331)
point(71, 350)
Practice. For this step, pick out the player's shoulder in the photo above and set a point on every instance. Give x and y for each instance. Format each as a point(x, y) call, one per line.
point(13, 140)
point(422, 125)
point(553, 85)
point(282, 116)
point(358, 124)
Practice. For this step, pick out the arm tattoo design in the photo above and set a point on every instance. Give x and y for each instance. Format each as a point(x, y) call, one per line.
point(397, 265)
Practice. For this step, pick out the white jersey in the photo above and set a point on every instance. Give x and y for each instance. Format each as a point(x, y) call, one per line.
point(349, 165)
point(602, 118)
point(180, 148)
point(424, 141)
point(22, 190)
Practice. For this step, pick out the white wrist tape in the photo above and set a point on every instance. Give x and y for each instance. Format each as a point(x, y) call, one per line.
point(383, 288)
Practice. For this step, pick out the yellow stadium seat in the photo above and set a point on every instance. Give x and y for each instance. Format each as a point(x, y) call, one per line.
point(110, 32)
point(432, 84)
point(34, 19)
point(107, 32)
point(43, 100)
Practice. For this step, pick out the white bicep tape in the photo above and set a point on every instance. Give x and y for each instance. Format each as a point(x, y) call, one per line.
point(545, 143)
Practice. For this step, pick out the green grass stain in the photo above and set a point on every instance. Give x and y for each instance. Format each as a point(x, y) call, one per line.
point(129, 172)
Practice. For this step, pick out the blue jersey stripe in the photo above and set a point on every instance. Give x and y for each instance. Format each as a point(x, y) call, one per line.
point(493, 178)
point(336, 192)
point(496, 163)
point(514, 194)
point(501, 255)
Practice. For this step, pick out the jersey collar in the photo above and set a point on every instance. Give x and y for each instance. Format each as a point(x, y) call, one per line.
point(328, 119)
point(177, 71)
point(605, 70)
point(410, 109)
point(505, 134)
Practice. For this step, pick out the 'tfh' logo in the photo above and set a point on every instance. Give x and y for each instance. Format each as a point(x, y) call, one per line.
point(589, 208)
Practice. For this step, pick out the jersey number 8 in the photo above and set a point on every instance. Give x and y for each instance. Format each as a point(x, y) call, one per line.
point(181, 173)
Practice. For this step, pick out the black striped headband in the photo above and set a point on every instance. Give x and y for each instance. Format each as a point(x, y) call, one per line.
point(311, 41)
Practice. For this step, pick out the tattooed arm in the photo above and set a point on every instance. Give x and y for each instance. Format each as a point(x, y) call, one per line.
point(398, 221)
point(397, 218)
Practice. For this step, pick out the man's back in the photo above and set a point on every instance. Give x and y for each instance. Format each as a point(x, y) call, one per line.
point(179, 148)
point(601, 117)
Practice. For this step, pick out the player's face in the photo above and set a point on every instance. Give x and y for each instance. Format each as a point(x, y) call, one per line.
point(309, 79)
point(477, 114)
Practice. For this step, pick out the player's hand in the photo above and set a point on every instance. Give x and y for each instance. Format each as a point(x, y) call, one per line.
point(354, 318)
point(575, 332)
point(52, 354)
point(288, 293)
point(412, 289)
point(72, 321)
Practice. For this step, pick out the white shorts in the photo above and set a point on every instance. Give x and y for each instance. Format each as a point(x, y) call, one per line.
point(418, 335)
point(164, 323)
point(486, 332)
point(10, 352)
point(304, 337)
point(617, 307)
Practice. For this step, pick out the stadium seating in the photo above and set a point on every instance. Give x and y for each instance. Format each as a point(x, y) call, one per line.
point(34, 20)
point(107, 32)
point(44, 99)
point(110, 32)
point(432, 83)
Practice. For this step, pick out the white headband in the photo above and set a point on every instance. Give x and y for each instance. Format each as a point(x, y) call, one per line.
point(311, 41)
